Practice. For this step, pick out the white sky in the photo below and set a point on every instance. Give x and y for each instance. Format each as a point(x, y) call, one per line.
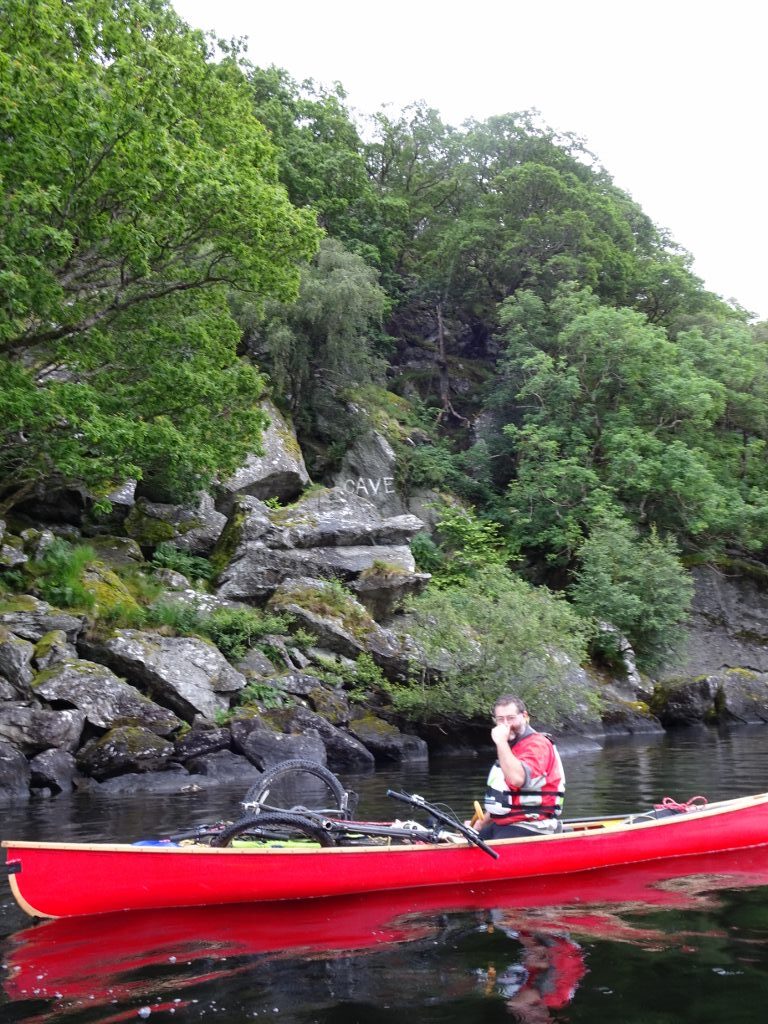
point(670, 94)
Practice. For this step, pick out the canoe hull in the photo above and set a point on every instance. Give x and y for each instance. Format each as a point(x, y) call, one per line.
point(67, 879)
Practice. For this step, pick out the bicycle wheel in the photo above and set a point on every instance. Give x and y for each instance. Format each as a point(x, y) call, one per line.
point(291, 785)
point(273, 827)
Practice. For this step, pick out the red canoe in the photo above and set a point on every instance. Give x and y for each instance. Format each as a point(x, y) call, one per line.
point(68, 879)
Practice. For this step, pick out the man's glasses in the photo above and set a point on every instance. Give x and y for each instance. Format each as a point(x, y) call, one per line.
point(506, 719)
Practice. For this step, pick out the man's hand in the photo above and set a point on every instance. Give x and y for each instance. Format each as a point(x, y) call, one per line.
point(500, 733)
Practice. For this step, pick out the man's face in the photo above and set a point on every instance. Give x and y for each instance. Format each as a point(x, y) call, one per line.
point(508, 714)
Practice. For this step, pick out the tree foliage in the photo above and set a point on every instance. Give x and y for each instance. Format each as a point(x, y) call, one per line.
point(137, 185)
point(636, 584)
point(325, 342)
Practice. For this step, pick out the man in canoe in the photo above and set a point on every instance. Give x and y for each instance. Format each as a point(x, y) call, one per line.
point(526, 785)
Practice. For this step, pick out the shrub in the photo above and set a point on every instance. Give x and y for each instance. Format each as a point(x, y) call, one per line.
point(168, 556)
point(492, 634)
point(637, 585)
point(235, 630)
point(59, 574)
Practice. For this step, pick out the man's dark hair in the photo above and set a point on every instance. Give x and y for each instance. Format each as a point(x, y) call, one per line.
point(511, 698)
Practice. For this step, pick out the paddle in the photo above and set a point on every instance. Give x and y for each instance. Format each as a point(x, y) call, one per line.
point(418, 801)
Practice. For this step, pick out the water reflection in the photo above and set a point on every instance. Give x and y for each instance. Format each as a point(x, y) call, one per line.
point(601, 941)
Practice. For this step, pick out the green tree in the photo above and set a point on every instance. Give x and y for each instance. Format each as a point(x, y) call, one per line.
point(602, 411)
point(489, 634)
point(320, 155)
point(638, 585)
point(138, 188)
point(326, 342)
point(136, 169)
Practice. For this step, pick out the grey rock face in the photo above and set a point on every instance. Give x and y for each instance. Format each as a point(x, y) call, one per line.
point(385, 741)
point(326, 534)
point(33, 729)
point(368, 470)
point(30, 618)
point(185, 674)
point(55, 770)
point(104, 699)
point(264, 747)
point(16, 661)
point(278, 473)
point(14, 775)
point(191, 528)
point(124, 749)
point(728, 625)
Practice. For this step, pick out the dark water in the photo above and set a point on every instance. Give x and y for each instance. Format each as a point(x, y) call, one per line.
point(648, 944)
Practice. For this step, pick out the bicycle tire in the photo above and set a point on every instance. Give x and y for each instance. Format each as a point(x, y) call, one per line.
point(265, 826)
point(259, 791)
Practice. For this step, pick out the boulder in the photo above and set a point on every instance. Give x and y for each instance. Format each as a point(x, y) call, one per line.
point(124, 749)
point(342, 750)
point(686, 702)
point(629, 718)
point(265, 747)
point(169, 782)
point(8, 692)
point(12, 553)
point(369, 470)
point(16, 661)
point(224, 766)
point(325, 534)
point(277, 473)
point(117, 552)
point(382, 588)
point(741, 697)
point(261, 569)
point(198, 742)
point(255, 663)
point(14, 775)
point(52, 649)
point(332, 518)
point(385, 741)
point(34, 729)
point(342, 624)
point(105, 700)
point(191, 528)
point(55, 770)
point(188, 675)
point(30, 618)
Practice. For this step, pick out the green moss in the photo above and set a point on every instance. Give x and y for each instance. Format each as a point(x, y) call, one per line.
point(332, 601)
point(289, 443)
point(18, 603)
point(48, 641)
point(109, 592)
point(148, 530)
point(377, 726)
point(229, 541)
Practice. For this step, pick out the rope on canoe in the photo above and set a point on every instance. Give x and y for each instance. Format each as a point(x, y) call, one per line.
point(694, 804)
